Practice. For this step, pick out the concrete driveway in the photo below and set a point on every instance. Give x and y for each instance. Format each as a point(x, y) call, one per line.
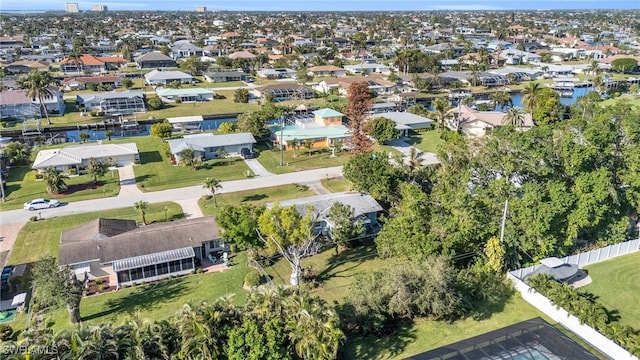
point(186, 193)
point(257, 168)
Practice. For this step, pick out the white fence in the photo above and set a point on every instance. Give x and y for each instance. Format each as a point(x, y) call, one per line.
point(588, 334)
point(589, 257)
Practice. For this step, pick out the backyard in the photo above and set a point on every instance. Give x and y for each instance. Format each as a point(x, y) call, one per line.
point(22, 186)
point(428, 141)
point(155, 172)
point(40, 238)
point(616, 284)
point(253, 197)
point(159, 300)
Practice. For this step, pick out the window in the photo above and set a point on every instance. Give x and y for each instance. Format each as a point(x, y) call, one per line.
point(174, 266)
point(123, 276)
point(163, 268)
point(149, 271)
point(215, 244)
point(187, 264)
point(136, 274)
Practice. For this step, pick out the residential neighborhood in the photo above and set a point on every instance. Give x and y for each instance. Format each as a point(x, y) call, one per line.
point(183, 181)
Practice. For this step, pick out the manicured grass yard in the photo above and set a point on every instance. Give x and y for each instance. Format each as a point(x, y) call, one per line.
point(22, 186)
point(616, 283)
point(160, 300)
point(320, 158)
point(217, 106)
point(156, 172)
point(337, 184)
point(40, 238)
point(426, 140)
point(631, 99)
point(253, 197)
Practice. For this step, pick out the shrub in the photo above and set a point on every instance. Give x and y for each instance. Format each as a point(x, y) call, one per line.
point(73, 171)
point(252, 278)
point(154, 103)
point(6, 332)
point(33, 218)
point(98, 281)
point(178, 101)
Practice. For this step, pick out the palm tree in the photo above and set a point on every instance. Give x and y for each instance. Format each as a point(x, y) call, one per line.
point(212, 184)
point(295, 144)
point(308, 144)
point(37, 84)
point(530, 95)
point(54, 179)
point(514, 117)
point(75, 58)
point(414, 161)
point(141, 206)
point(441, 106)
point(500, 98)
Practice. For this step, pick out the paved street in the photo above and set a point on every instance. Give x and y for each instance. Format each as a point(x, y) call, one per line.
point(191, 193)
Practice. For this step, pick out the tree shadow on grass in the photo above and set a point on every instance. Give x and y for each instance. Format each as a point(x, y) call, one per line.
point(145, 298)
point(356, 256)
point(150, 157)
point(378, 346)
point(254, 197)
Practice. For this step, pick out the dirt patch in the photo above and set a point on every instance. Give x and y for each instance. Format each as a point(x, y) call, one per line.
point(8, 235)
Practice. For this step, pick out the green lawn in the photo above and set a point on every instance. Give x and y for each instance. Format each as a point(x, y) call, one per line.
point(336, 184)
point(156, 172)
point(320, 158)
point(40, 238)
point(22, 186)
point(616, 283)
point(426, 140)
point(631, 99)
point(218, 106)
point(253, 197)
point(159, 300)
point(206, 84)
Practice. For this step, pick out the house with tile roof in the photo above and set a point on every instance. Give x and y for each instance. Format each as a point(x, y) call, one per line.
point(128, 254)
point(477, 123)
point(26, 66)
point(80, 83)
point(91, 64)
point(341, 85)
point(77, 156)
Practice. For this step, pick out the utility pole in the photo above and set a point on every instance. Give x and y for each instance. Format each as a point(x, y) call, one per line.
point(504, 220)
point(282, 140)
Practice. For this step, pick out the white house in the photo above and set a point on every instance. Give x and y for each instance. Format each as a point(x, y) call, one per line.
point(111, 103)
point(517, 57)
point(15, 104)
point(77, 156)
point(157, 77)
point(208, 146)
point(368, 68)
point(185, 95)
point(477, 123)
point(278, 73)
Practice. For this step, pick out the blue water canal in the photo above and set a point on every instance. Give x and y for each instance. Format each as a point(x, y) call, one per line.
point(74, 135)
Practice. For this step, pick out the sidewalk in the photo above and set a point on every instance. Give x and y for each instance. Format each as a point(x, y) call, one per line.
point(186, 193)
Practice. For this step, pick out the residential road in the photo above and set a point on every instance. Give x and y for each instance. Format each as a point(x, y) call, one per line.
point(190, 193)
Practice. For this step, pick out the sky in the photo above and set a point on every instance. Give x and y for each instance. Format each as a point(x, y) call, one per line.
point(323, 5)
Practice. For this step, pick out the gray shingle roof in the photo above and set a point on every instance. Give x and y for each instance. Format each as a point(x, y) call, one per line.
point(78, 247)
point(361, 203)
point(153, 56)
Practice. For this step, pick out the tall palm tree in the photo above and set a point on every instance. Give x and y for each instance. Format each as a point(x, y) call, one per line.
point(75, 58)
point(414, 160)
point(37, 83)
point(213, 184)
point(514, 117)
point(530, 95)
point(54, 180)
point(500, 98)
point(142, 206)
point(441, 106)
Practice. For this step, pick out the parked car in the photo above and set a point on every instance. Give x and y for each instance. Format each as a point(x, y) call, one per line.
point(38, 204)
point(246, 153)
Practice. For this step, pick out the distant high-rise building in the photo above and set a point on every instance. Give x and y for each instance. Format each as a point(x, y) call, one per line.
point(71, 7)
point(201, 9)
point(99, 8)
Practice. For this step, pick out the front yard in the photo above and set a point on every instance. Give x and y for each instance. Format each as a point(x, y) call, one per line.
point(320, 158)
point(428, 141)
point(155, 172)
point(40, 238)
point(22, 186)
point(253, 197)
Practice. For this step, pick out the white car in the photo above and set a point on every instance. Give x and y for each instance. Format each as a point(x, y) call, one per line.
point(38, 204)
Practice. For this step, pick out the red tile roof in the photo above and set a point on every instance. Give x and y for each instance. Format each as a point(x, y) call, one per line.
point(87, 59)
